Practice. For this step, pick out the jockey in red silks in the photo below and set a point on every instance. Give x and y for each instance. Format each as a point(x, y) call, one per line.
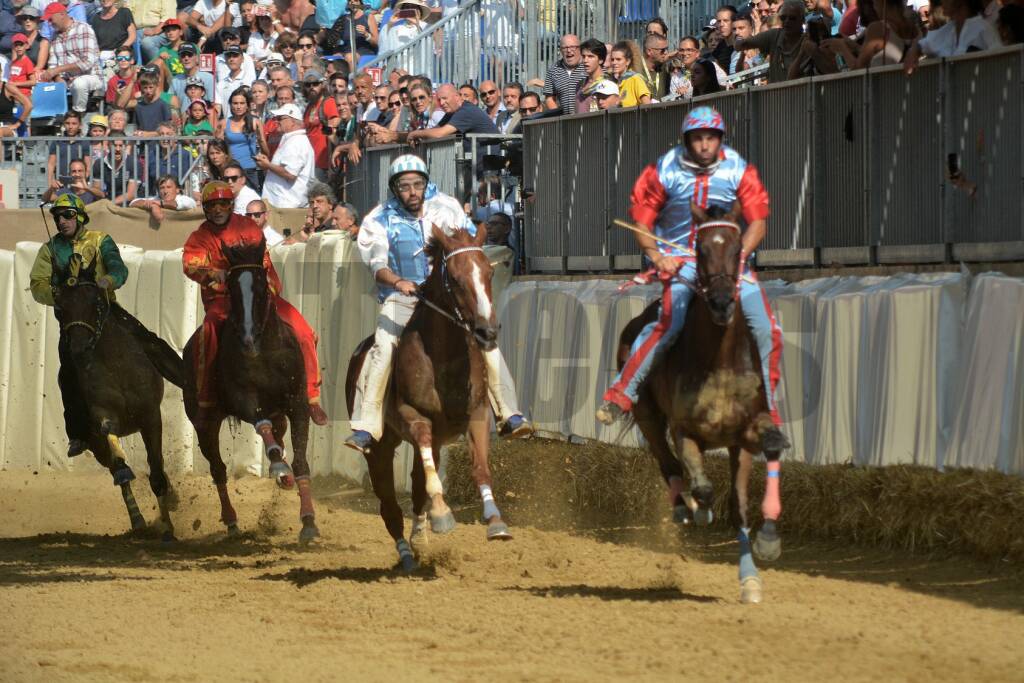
point(204, 261)
point(706, 172)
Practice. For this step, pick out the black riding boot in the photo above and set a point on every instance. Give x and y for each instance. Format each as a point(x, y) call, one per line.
point(76, 410)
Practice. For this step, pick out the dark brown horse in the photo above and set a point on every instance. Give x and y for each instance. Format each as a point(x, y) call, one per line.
point(260, 379)
point(438, 389)
point(708, 392)
point(119, 367)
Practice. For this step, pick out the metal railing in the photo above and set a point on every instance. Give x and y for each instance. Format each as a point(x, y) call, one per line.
point(516, 41)
point(857, 166)
point(40, 160)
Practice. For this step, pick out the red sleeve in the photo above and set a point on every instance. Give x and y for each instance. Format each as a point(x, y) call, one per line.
point(848, 24)
point(648, 197)
point(195, 259)
point(752, 195)
point(112, 89)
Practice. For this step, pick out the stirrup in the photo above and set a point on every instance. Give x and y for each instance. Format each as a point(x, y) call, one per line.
point(609, 412)
point(359, 440)
point(77, 447)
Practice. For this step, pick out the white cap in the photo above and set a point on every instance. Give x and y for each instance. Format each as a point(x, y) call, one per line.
point(291, 109)
point(274, 57)
point(606, 87)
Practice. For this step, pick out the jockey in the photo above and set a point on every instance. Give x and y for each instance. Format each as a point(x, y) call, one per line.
point(204, 261)
point(706, 172)
point(73, 248)
point(391, 242)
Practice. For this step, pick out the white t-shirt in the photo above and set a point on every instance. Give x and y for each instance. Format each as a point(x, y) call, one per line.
point(296, 154)
point(227, 85)
point(248, 69)
point(976, 33)
point(182, 202)
point(211, 13)
point(245, 195)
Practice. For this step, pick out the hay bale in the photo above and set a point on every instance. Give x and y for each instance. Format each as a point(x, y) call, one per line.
point(554, 484)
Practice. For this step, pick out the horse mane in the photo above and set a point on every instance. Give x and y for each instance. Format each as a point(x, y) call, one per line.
point(245, 253)
point(434, 250)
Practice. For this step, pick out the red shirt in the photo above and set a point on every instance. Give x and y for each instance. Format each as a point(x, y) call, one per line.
point(111, 96)
point(204, 254)
point(20, 72)
point(314, 131)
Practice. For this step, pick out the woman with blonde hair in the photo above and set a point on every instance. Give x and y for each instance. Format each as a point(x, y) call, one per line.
point(633, 89)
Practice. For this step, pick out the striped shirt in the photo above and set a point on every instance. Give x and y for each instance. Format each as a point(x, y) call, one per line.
point(76, 46)
point(562, 84)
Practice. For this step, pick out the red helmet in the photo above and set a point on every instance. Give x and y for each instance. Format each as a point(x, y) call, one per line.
point(217, 189)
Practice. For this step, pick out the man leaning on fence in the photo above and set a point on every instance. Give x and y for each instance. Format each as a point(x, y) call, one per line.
point(564, 76)
point(74, 56)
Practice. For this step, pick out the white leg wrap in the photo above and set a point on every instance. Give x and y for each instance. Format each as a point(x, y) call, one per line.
point(434, 487)
point(501, 389)
point(490, 508)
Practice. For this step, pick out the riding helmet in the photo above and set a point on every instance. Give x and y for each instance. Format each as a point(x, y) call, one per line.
point(69, 200)
point(407, 163)
point(217, 189)
point(703, 118)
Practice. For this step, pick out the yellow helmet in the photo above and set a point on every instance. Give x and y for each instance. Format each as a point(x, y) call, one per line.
point(69, 200)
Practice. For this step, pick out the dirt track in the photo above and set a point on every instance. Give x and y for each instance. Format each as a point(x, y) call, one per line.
point(83, 602)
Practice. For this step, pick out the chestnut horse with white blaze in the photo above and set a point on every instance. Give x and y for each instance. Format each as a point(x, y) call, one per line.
point(438, 389)
point(709, 394)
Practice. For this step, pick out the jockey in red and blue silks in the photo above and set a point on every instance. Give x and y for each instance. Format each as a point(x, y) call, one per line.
point(706, 172)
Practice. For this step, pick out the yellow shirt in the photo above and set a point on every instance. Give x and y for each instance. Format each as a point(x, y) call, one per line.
point(632, 90)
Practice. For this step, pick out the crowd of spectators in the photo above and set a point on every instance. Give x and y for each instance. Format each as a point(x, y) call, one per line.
point(279, 107)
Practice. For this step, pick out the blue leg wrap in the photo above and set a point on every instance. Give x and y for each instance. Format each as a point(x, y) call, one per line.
point(747, 568)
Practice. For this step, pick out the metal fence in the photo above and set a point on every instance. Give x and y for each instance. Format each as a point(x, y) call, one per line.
point(125, 168)
point(517, 41)
point(856, 165)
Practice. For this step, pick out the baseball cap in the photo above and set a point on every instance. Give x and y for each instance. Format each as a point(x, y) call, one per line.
point(28, 11)
point(606, 88)
point(195, 80)
point(19, 38)
point(274, 58)
point(229, 31)
point(710, 26)
point(188, 47)
point(198, 101)
point(170, 23)
point(52, 9)
point(232, 50)
point(291, 110)
point(99, 120)
point(313, 76)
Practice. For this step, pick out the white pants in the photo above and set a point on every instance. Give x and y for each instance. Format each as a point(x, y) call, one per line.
point(81, 87)
point(395, 312)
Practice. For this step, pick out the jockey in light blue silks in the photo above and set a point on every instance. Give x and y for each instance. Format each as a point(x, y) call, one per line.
point(391, 242)
point(706, 172)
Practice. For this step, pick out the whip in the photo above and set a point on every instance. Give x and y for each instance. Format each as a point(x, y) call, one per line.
point(648, 233)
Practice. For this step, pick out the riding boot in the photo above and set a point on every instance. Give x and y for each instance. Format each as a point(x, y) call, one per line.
point(164, 358)
point(76, 410)
point(369, 414)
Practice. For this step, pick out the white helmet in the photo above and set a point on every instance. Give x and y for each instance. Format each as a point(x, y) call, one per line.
point(407, 163)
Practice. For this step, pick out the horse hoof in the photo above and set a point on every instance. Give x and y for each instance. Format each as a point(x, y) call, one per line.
point(703, 516)
point(442, 524)
point(419, 537)
point(409, 564)
point(767, 549)
point(682, 514)
point(498, 531)
point(282, 474)
point(233, 530)
point(307, 534)
point(138, 524)
point(168, 537)
point(751, 591)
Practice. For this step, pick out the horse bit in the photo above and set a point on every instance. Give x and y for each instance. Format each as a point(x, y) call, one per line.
point(101, 314)
point(457, 319)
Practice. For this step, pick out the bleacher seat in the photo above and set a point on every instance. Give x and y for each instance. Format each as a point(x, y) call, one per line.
point(49, 100)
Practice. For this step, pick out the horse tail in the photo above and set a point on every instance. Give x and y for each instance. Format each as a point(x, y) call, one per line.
point(164, 358)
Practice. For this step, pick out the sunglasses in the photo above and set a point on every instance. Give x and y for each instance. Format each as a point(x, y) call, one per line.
point(233, 178)
point(488, 92)
point(124, 58)
point(306, 46)
point(529, 110)
point(419, 99)
point(66, 213)
point(255, 214)
point(395, 105)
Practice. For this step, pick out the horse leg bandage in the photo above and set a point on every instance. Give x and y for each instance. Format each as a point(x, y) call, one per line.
point(434, 487)
point(771, 506)
point(305, 497)
point(490, 508)
point(266, 431)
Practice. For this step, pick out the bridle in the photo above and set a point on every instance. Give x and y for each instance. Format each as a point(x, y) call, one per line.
point(458, 319)
point(258, 329)
point(702, 288)
point(102, 313)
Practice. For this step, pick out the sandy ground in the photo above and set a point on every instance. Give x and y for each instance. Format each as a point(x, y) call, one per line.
point(81, 601)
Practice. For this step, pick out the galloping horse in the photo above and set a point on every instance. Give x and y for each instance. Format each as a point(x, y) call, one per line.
point(260, 379)
point(121, 367)
point(710, 394)
point(438, 388)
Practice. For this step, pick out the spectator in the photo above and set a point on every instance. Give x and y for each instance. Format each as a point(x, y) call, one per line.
point(123, 86)
point(529, 107)
point(38, 50)
point(345, 218)
point(499, 225)
point(469, 94)
point(380, 101)
point(189, 56)
point(306, 57)
point(367, 34)
point(235, 176)
point(99, 126)
point(114, 27)
point(63, 152)
point(705, 77)
point(118, 171)
point(262, 36)
point(723, 49)
point(168, 197)
point(829, 15)
point(151, 109)
point(197, 121)
point(74, 57)
point(606, 95)
point(209, 16)
point(11, 97)
point(400, 116)
point(966, 31)
point(281, 77)
point(594, 53)
point(321, 200)
point(741, 60)
point(510, 95)
point(165, 157)
point(885, 41)
point(633, 90)
point(321, 113)
point(367, 110)
point(491, 97)
point(76, 183)
point(651, 66)
point(291, 169)
point(217, 159)
point(295, 15)
point(231, 38)
point(271, 130)
point(168, 56)
point(405, 23)
point(23, 70)
point(232, 81)
point(460, 118)
point(1011, 24)
point(257, 211)
point(243, 134)
point(563, 78)
point(789, 49)
point(259, 99)
point(117, 122)
point(656, 27)
point(345, 131)
point(286, 46)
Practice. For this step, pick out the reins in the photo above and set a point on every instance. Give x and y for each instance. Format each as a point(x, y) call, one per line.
point(458, 320)
point(101, 315)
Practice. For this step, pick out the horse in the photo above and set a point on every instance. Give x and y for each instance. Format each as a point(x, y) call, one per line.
point(438, 390)
point(708, 392)
point(119, 367)
point(260, 379)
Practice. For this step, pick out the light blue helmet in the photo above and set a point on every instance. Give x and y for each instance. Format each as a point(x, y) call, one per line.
point(407, 163)
point(703, 118)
